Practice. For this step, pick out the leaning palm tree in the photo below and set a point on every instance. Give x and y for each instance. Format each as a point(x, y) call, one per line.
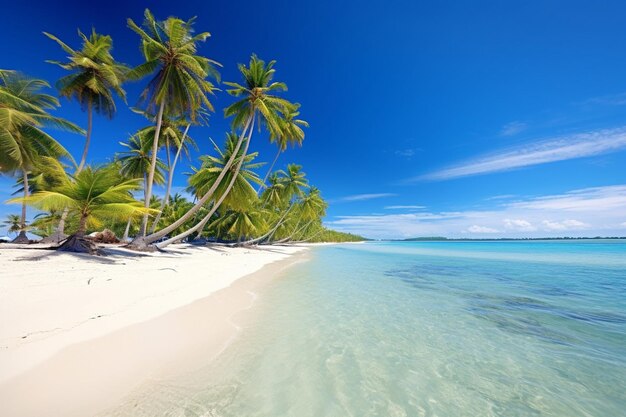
point(95, 195)
point(257, 102)
point(240, 223)
point(95, 77)
point(235, 192)
point(241, 194)
point(290, 133)
point(174, 140)
point(282, 198)
point(23, 115)
point(179, 76)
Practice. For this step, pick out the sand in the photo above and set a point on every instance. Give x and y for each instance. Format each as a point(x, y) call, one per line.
point(78, 333)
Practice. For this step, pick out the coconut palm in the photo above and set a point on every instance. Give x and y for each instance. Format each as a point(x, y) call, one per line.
point(256, 102)
point(281, 200)
point(174, 141)
point(23, 115)
point(241, 194)
point(235, 192)
point(95, 77)
point(290, 133)
point(13, 223)
point(95, 194)
point(179, 76)
point(294, 182)
point(135, 161)
point(240, 223)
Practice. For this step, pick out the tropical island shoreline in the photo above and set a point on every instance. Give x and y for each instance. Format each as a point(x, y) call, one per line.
point(103, 334)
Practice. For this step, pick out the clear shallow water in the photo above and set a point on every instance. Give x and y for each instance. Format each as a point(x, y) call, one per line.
point(425, 329)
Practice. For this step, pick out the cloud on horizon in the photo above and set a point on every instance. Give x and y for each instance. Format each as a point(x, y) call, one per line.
point(552, 150)
point(585, 212)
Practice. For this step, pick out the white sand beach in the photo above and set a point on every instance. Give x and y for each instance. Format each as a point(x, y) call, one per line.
point(78, 332)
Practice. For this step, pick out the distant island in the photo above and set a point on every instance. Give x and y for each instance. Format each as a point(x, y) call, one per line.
point(441, 238)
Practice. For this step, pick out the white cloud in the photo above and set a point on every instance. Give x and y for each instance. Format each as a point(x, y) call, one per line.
point(404, 207)
point(587, 212)
point(564, 225)
point(481, 229)
point(362, 197)
point(608, 100)
point(551, 150)
point(405, 153)
point(513, 128)
point(588, 199)
point(519, 225)
point(501, 197)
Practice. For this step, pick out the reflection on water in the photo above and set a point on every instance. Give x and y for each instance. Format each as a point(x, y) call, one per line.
point(395, 330)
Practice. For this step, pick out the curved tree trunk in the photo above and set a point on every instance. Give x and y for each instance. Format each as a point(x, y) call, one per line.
point(301, 229)
point(21, 237)
point(170, 179)
point(142, 242)
point(310, 237)
point(207, 217)
point(126, 231)
point(155, 149)
point(271, 231)
point(269, 171)
point(59, 234)
point(83, 159)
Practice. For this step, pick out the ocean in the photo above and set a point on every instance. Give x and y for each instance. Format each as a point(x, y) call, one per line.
point(442, 329)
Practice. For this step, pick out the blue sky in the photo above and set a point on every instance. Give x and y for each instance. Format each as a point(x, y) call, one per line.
point(461, 119)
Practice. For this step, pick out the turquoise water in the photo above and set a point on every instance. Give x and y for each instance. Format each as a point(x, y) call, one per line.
point(426, 329)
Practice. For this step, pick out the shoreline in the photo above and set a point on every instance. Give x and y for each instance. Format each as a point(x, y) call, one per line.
point(89, 368)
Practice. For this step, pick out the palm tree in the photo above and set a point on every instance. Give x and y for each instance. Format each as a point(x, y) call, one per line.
point(14, 223)
point(290, 133)
point(94, 77)
point(294, 182)
point(256, 102)
point(95, 194)
point(135, 163)
point(236, 192)
point(241, 193)
point(281, 198)
point(179, 80)
point(240, 223)
point(23, 115)
point(173, 139)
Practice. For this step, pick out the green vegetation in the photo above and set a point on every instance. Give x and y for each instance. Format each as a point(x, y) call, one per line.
point(231, 201)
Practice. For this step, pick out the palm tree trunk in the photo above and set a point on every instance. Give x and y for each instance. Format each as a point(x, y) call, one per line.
point(271, 232)
point(311, 237)
point(82, 226)
point(59, 234)
point(77, 242)
point(170, 180)
point(207, 217)
point(83, 159)
point(301, 229)
point(127, 230)
point(269, 171)
point(155, 149)
point(21, 237)
point(142, 242)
